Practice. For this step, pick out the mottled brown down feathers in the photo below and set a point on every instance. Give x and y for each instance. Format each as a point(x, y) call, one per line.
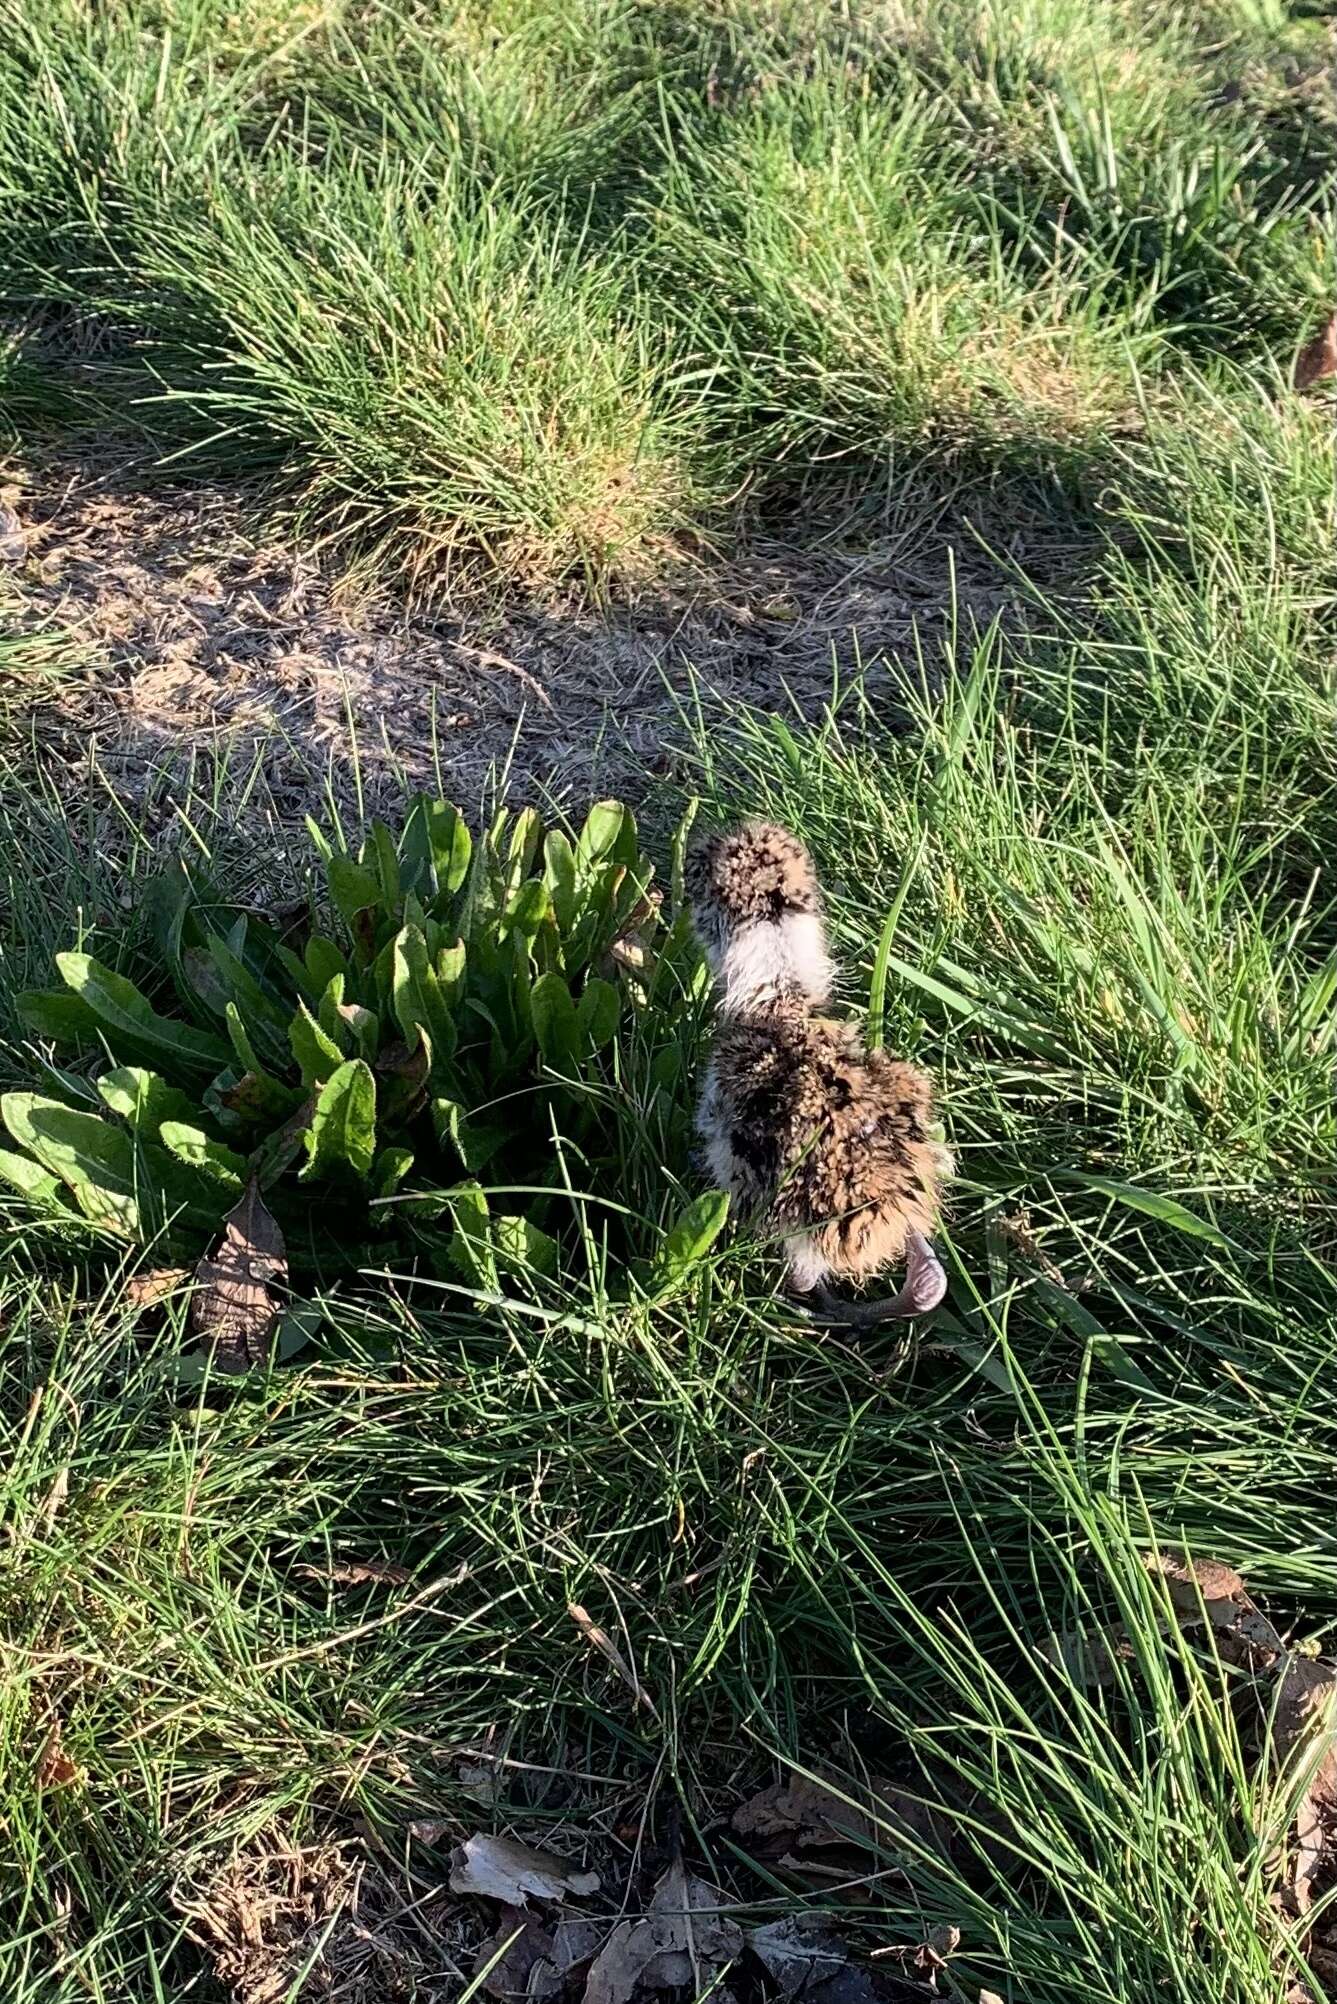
point(822, 1142)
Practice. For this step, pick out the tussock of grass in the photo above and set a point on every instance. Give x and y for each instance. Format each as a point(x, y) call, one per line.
point(545, 289)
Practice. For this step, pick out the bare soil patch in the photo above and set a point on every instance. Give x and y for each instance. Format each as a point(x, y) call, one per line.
point(198, 633)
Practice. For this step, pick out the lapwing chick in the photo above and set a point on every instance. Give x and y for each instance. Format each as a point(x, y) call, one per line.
point(820, 1142)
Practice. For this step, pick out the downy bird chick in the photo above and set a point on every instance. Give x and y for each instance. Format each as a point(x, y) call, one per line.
point(821, 1141)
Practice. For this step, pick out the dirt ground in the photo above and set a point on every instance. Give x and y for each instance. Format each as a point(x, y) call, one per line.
point(196, 632)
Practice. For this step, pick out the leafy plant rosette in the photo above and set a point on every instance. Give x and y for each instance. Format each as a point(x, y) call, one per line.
point(463, 1001)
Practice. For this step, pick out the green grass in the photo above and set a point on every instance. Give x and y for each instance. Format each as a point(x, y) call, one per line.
point(524, 294)
point(544, 292)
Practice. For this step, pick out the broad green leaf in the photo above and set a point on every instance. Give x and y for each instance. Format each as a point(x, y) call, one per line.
point(279, 1150)
point(265, 1017)
point(352, 889)
point(96, 1160)
point(381, 856)
point(144, 1099)
point(389, 1169)
point(132, 1027)
point(559, 874)
point(354, 1029)
point(471, 1242)
point(342, 1138)
point(249, 1099)
point(598, 1013)
point(523, 1247)
point(327, 1012)
point(57, 1016)
point(363, 1026)
point(609, 835)
point(1168, 1210)
point(522, 847)
point(528, 908)
point(689, 1240)
point(296, 1329)
point(169, 901)
point(450, 970)
point(474, 1141)
point(323, 961)
point(553, 1015)
point(418, 1001)
point(318, 1056)
point(447, 840)
point(402, 1072)
point(31, 1180)
point(256, 1094)
point(240, 1040)
point(682, 836)
point(220, 1164)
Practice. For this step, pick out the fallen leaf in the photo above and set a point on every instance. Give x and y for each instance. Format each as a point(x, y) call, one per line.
point(1206, 1586)
point(233, 1310)
point(1089, 1656)
point(604, 1642)
point(808, 1961)
point(13, 541)
point(800, 1953)
point(932, 1955)
point(575, 1941)
point(804, 1813)
point(358, 1572)
point(1318, 358)
point(1305, 1716)
point(55, 1768)
point(682, 1942)
point(430, 1830)
point(481, 1780)
point(146, 1290)
point(520, 1959)
point(499, 1868)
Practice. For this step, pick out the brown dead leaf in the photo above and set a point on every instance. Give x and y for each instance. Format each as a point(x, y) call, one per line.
point(233, 1310)
point(278, 1921)
point(804, 1813)
point(1317, 360)
point(605, 1644)
point(807, 1959)
point(520, 1959)
point(1305, 1735)
point(430, 1830)
point(146, 1290)
point(500, 1868)
point(401, 1080)
point(1206, 1586)
point(13, 540)
point(683, 1942)
point(932, 1955)
point(575, 1941)
point(55, 1768)
point(358, 1572)
point(480, 1780)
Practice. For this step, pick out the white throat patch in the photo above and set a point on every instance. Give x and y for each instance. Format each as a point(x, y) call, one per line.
point(768, 958)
